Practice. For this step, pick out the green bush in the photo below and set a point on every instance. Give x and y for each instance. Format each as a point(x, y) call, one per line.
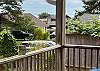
point(38, 34)
point(46, 36)
point(8, 44)
point(90, 28)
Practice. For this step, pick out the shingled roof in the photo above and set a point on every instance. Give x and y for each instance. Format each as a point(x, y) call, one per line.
point(37, 21)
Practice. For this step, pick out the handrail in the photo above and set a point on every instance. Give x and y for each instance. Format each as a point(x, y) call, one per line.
point(82, 56)
point(14, 58)
point(17, 57)
point(55, 58)
point(81, 46)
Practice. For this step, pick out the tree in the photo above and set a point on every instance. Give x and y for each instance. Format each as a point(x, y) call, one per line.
point(39, 34)
point(90, 6)
point(8, 44)
point(11, 9)
point(25, 24)
point(89, 28)
point(43, 15)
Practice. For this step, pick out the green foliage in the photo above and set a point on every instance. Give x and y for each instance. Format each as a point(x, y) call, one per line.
point(12, 7)
point(73, 26)
point(90, 6)
point(25, 24)
point(46, 36)
point(11, 11)
point(8, 44)
point(90, 28)
point(40, 35)
point(43, 15)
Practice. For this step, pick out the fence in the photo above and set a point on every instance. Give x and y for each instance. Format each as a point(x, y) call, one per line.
point(79, 39)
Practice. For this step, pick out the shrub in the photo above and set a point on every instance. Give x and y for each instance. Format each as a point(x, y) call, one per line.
point(90, 28)
point(8, 44)
point(38, 34)
point(46, 36)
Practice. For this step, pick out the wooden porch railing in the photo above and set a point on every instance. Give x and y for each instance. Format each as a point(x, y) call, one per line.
point(65, 58)
point(82, 57)
point(46, 59)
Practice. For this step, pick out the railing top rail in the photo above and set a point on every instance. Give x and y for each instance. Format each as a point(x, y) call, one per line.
point(81, 46)
point(17, 57)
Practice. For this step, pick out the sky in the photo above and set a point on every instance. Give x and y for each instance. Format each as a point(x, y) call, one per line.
point(38, 6)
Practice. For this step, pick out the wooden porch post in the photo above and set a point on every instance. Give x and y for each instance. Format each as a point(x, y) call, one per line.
point(22, 50)
point(60, 22)
point(60, 30)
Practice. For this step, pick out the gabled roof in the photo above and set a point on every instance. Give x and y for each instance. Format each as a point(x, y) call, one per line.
point(54, 16)
point(37, 21)
point(88, 17)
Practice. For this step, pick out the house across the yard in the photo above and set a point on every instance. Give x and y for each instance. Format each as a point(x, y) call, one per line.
point(37, 21)
point(88, 17)
point(51, 22)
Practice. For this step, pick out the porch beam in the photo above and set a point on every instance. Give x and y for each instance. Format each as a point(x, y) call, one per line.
point(60, 22)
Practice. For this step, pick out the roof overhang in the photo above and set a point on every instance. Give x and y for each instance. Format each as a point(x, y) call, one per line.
point(53, 2)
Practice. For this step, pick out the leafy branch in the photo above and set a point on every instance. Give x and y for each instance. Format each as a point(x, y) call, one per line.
point(90, 28)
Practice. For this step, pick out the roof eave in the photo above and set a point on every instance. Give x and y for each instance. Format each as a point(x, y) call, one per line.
point(53, 2)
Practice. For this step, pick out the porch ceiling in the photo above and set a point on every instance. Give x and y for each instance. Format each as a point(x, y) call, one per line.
point(53, 2)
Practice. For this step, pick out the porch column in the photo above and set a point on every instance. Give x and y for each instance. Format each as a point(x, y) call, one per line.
point(60, 30)
point(60, 22)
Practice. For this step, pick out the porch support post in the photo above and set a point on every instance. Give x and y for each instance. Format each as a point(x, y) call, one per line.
point(60, 30)
point(60, 22)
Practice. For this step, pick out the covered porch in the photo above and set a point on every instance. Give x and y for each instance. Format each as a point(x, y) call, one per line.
point(62, 57)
